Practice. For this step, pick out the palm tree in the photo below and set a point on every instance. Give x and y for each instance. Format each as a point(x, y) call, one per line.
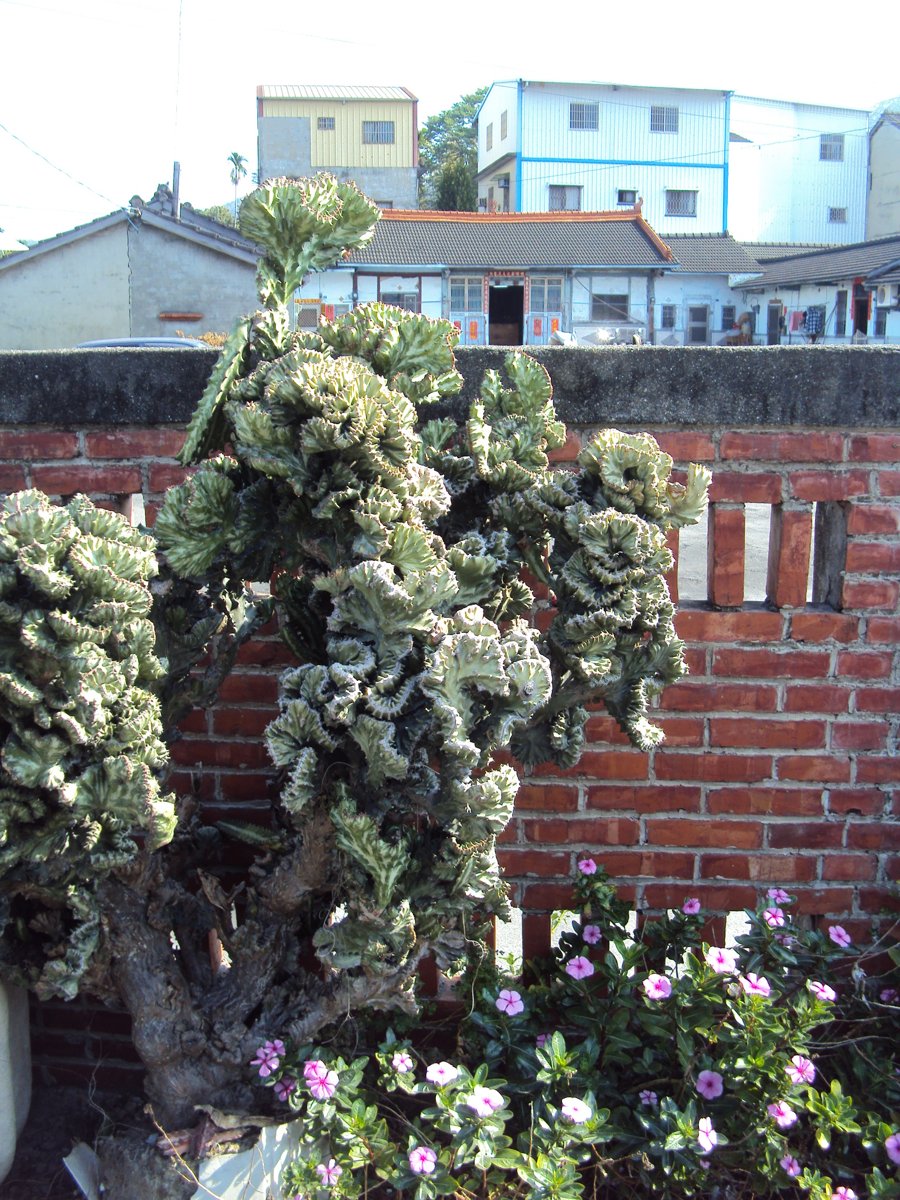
point(238, 170)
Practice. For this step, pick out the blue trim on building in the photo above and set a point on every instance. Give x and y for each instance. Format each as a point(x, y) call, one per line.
point(625, 162)
point(728, 96)
point(520, 105)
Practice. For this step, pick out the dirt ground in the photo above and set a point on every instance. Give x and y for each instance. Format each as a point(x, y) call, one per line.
point(62, 1116)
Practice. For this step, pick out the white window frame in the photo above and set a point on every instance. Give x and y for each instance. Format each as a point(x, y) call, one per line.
point(504, 124)
point(668, 317)
point(473, 293)
point(584, 116)
point(831, 147)
point(489, 136)
point(572, 192)
point(375, 133)
point(663, 118)
point(677, 208)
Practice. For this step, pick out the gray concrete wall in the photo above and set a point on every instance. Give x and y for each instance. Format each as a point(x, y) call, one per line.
point(171, 274)
point(650, 386)
point(72, 294)
point(284, 147)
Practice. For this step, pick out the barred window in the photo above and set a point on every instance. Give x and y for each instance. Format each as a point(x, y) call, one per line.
point(837, 216)
point(729, 313)
point(325, 124)
point(663, 119)
point(609, 308)
point(831, 147)
point(584, 115)
point(667, 318)
point(378, 133)
point(681, 203)
point(564, 199)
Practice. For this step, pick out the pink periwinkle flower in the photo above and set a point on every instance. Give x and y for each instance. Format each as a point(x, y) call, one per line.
point(575, 1110)
point(591, 934)
point(657, 987)
point(542, 1039)
point(785, 940)
point(580, 967)
point(484, 1101)
point(322, 1087)
point(329, 1173)
point(706, 1135)
point(840, 936)
point(782, 1114)
point(843, 1193)
point(778, 895)
point(892, 1147)
point(422, 1160)
point(755, 985)
point(510, 1003)
point(822, 991)
point(723, 962)
point(790, 1166)
point(800, 1069)
point(587, 866)
point(648, 1098)
point(314, 1068)
point(284, 1087)
point(889, 995)
point(691, 906)
point(774, 917)
point(402, 1062)
point(268, 1058)
point(710, 1085)
point(441, 1073)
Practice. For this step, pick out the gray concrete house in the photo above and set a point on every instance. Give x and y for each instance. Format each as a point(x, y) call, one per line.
point(138, 272)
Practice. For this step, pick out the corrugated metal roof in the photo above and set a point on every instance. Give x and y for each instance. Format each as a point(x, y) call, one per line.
point(831, 266)
point(711, 253)
point(516, 240)
point(331, 91)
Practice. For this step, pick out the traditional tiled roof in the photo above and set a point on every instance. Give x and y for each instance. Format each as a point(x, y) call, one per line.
point(517, 240)
point(765, 252)
point(330, 91)
point(831, 266)
point(712, 254)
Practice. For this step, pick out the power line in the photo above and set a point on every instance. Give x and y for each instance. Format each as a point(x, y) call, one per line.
point(61, 170)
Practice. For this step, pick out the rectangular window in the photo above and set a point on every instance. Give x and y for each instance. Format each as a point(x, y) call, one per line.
point(680, 203)
point(609, 308)
point(729, 313)
point(831, 147)
point(466, 293)
point(667, 317)
point(663, 119)
point(489, 137)
point(564, 199)
point(504, 124)
point(626, 196)
point(546, 293)
point(881, 322)
point(584, 115)
point(378, 133)
point(325, 124)
point(837, 216)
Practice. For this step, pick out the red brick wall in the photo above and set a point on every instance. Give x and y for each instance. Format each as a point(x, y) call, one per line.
point(779, 765)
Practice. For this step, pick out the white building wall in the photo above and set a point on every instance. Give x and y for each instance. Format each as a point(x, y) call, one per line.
point(780, 187)
point(685, 291)
point(883, 207)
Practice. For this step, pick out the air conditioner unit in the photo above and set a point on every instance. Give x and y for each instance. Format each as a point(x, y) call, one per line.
point(888, 295)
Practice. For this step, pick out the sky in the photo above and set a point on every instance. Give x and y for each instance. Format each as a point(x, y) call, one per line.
point(98, 98)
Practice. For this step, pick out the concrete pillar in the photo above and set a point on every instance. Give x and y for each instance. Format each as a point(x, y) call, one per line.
point(15, 1071)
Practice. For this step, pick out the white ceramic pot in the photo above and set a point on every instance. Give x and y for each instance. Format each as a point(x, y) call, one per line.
point(15, 1071)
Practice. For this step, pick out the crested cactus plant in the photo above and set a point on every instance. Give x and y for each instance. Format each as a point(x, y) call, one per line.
point(81, 731)
point(395, 542)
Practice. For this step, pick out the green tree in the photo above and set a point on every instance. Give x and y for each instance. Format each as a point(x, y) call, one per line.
point(446, 136)
point(221, 213)
point(455, 187)
point(237, 173)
